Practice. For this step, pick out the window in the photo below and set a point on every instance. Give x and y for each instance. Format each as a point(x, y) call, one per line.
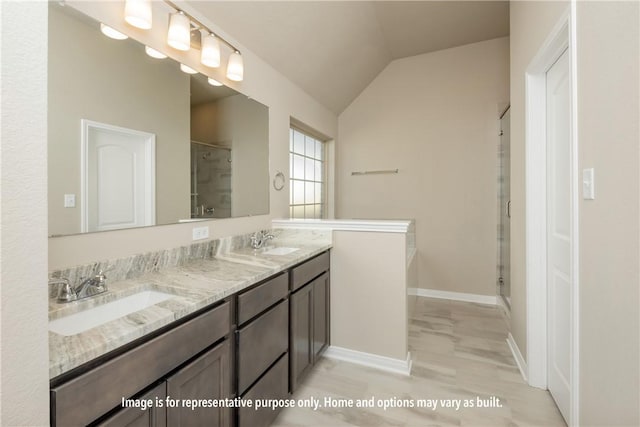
point(307, 184)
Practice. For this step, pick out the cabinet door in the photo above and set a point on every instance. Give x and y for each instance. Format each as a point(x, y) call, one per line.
point(134, 417)
point(320, 315)
point(301, 334)
point(208, 377)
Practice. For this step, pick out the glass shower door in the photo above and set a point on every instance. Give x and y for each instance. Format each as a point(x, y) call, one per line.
point(210, 181)
point(504, 200)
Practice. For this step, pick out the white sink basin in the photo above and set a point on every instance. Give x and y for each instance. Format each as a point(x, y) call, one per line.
point(101, 314)
point(280, 251)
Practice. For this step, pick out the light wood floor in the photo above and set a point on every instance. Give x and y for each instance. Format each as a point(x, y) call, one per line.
point(459, 352)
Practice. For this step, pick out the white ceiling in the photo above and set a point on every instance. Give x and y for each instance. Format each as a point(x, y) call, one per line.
point(334, 49)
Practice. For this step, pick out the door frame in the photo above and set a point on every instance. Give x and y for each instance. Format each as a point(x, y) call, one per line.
point(150, 172)
point(561, 38)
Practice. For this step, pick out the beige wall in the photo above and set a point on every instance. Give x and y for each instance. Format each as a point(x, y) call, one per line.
point(435, 117)
point(113, 82)
point(208, 124)
point(531, 22)
point(609, 139)
point(378, 295)
point(250, 160)
point(261, 83)
point(24, 361)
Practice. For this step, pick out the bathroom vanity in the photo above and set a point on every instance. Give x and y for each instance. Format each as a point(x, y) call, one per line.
point(251, 339)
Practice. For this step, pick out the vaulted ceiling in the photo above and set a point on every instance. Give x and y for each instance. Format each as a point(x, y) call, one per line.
point(334, 49)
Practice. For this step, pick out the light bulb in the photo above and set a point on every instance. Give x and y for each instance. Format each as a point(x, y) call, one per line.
point(154, 53)
point(235, 67)
point(214, 82)
point(210, 55)
point(110, 32)
point(187, 69)
point(138, 13)
point(179, 34)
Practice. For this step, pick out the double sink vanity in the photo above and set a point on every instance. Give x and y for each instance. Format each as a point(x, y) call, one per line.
point(141, 338)
point(191, 326)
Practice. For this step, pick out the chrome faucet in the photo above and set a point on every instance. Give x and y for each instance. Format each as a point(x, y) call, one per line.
point(86, 288)
point(259, 238)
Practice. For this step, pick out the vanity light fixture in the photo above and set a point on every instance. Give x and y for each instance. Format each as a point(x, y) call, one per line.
point(110, 32)
point(188, 70)
point(235, 67)
point(138, 13)
point(214, 82)
point(179, 34)
point(210, 53)
point(154, 53)
point(208, 42)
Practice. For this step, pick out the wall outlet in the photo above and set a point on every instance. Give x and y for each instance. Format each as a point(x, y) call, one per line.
point(200, 233)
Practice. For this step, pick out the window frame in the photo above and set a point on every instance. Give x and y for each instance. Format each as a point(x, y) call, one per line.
point(322, 203)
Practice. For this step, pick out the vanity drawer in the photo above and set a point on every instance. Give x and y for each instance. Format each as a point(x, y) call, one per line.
point(311, 269)
point(85, 398)
point(132, 417)
point(273, 385)
point(260, 343)
point(261, 297)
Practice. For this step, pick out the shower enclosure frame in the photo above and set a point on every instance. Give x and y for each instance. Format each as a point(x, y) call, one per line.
point(503, 270)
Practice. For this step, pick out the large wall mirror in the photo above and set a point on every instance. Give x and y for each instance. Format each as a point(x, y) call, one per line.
point(134, 141)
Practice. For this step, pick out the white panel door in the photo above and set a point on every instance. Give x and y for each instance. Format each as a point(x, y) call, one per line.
point(559, 232)
point(119, 174)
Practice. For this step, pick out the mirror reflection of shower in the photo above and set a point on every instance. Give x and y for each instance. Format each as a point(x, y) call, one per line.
point(210, 180)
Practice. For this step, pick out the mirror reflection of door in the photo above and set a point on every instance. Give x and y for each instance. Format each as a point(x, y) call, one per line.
point(118, 177)
point(210, 180)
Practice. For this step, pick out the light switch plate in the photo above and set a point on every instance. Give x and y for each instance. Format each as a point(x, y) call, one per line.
point(588, 184)
point(200, 233)
point(69, 200)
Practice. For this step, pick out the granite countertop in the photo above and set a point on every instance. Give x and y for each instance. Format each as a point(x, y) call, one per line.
point(196, 284)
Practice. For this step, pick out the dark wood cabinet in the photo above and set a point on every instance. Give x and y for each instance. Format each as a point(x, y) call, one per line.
point(206, 378)
point(309, 270)
point(273, 385)
point(320, 315)
point(96, 392)
point(257, 344)
point(259, 298)
point(262, 347)
point(309, 320)
point(135, 417)
point(301, 334)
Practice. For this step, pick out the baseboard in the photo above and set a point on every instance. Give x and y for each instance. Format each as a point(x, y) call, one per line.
point(383, 363)
point(504, 310)
point(522, 365)
point(456, 296)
